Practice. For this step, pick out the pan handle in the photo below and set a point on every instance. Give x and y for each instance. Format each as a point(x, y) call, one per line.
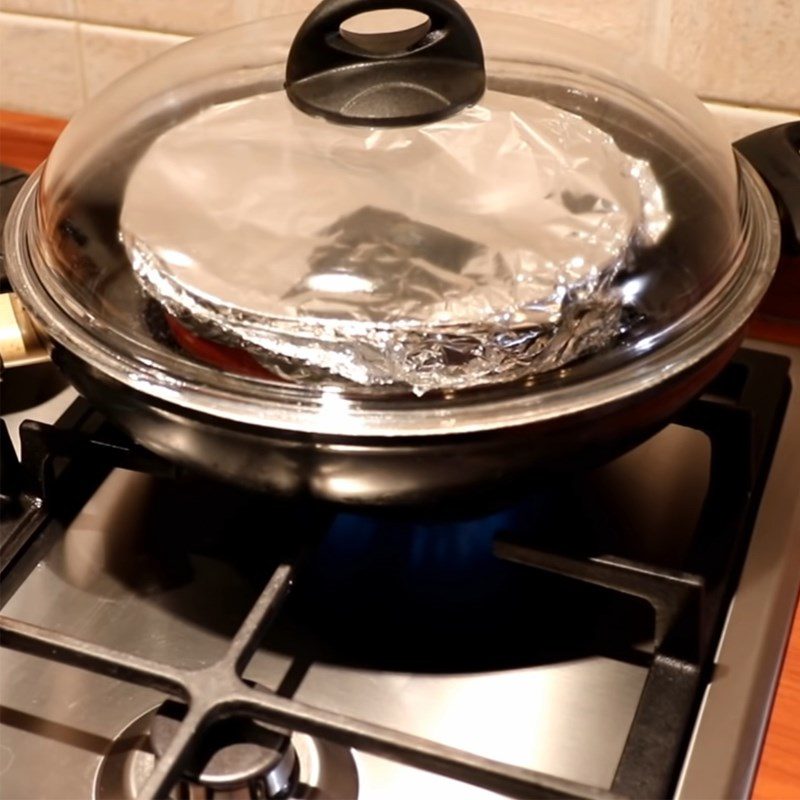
point(775, 153)
point(21, 341)
point(412, 77)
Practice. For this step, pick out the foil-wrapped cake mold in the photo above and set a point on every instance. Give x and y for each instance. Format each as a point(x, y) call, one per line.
point(474, 250)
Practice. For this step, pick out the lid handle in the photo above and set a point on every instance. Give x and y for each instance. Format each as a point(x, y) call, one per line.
point(394, 79)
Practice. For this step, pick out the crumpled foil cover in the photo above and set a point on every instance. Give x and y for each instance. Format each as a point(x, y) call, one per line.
point(473, 250)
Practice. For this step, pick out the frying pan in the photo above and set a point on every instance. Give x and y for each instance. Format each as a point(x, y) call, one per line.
point(390, 448)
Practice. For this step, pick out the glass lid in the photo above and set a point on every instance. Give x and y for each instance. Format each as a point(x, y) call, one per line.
point(455, 206)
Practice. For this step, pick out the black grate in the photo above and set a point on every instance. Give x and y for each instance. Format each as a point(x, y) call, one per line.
point(741, 414)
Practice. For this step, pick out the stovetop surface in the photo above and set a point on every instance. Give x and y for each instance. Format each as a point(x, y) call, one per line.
point(415, 627)
point(414, 624)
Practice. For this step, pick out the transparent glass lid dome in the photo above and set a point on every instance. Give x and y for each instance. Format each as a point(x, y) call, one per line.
point(564, 210)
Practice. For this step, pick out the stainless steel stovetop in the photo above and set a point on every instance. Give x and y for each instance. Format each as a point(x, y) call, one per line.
point(408, 624)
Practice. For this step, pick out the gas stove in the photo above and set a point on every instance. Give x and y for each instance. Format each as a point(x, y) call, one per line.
point(615, 633)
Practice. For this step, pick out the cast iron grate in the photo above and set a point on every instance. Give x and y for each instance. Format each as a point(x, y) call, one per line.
point(741, 414)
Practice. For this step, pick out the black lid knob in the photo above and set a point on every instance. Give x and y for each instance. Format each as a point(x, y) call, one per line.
point(386, 79)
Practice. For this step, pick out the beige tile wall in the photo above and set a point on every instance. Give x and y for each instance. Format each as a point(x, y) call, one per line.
point(55, 54)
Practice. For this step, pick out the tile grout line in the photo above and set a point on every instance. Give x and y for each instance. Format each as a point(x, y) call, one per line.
point(133, 28)
point(28, 15)
point(81, 59)
point(21, 12)
point(660, 31)
point(741, 105)
point(76, 18)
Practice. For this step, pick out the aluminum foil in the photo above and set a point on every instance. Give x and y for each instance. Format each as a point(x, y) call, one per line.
point(474, 250)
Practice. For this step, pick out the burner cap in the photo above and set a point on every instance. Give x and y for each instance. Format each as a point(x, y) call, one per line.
point(234, 753)
point(248, 759)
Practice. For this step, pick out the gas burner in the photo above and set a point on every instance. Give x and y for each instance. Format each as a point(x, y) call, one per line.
point(241, 759)
point(236, 755)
